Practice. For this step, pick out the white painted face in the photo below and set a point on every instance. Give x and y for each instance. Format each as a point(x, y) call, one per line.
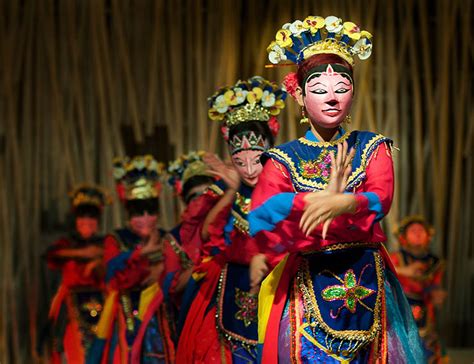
point(327, 98)
point(247, 163)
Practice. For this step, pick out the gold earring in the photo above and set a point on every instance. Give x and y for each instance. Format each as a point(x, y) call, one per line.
point(348, 119)
point(304, 119)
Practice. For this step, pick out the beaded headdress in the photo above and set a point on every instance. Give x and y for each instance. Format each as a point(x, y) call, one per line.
point(255, 99)
point(186, 167)
point(138, 178)
point(89, 194)
point(300, 40)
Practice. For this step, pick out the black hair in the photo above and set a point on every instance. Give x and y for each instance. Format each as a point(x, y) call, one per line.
point(87, 210)
point(139, 207)
point(258, 127)
point(193, 182)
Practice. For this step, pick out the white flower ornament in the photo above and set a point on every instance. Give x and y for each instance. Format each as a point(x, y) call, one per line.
point(221, 104)
point(333, 24)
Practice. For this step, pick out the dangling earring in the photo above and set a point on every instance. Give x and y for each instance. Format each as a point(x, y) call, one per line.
point(348, 119)
point(304, 119)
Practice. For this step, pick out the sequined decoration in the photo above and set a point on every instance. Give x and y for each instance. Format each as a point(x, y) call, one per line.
point(248, 304)
point(93, 307)
point(351, 292)
point(321, 167)
point(243, 203)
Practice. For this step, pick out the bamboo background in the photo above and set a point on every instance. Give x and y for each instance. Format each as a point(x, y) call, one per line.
point(82, 81)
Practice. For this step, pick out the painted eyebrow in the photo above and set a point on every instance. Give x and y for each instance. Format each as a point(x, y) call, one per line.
point(342, 83)
point(317, 83)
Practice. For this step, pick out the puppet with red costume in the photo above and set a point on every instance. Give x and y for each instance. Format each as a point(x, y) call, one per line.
point(320, 198)
point(421, 274)
point(137, 325)
point(221, 325)
point(77, 305)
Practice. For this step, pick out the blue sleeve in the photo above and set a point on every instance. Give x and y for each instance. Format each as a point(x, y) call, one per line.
point(271, 212)
point(116, 264)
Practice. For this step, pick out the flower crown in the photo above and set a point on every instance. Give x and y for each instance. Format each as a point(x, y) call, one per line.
point(253, 99)
point(186, 167)
point(300, 40)
point(89, 194)
point(138, 178)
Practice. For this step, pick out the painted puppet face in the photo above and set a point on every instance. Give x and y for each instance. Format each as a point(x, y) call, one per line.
point(87, 226)
point(417, 235)
point(247, 163)
point(143, 225)
point(328, 98)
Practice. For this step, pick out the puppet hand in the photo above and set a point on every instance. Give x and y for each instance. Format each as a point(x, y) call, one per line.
point(258, 270)
point(412, 270)
point(222, 170)
point(341, 168)
point(92, 252)
point(153, 244)
point(438, 296)
point(322, 207)
point(91, 267)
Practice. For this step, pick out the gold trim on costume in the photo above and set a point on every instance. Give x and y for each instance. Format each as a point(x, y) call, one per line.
point(355, 177)
point(240, 223)
point(331, 143)
point(306, 288)
point(178, 250)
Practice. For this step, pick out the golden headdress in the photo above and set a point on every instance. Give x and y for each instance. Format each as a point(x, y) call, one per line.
point(89, 194)
point(186, 167)
point(138, 178)
point(300, 40)
point(255, 99)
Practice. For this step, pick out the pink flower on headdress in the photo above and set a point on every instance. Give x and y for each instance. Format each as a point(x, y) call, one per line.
point(225, 132)
point(291, 83)
point(120, 188)
point(274, 125)
point(158, 187)
point(178, 187)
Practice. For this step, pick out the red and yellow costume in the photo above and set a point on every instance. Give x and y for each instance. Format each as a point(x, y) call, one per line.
point(221, 324)
point(137, 325)
point(419, 287)
point(78, 303)
point(332, 299)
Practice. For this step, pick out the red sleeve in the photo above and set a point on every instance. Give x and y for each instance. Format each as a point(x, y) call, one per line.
point(438, 276)
point(277, 209)
point(216, 231)
point(125, 269)
point(192, 222)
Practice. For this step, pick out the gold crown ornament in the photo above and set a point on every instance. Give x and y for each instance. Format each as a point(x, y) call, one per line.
point(138, 178)
point(302, 39)
point(186, 167)
point(89, 194)
point(255, 99)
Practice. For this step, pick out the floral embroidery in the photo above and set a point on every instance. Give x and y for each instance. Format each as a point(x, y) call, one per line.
point(351, 292)
point(248, 303)
point(320, 167)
